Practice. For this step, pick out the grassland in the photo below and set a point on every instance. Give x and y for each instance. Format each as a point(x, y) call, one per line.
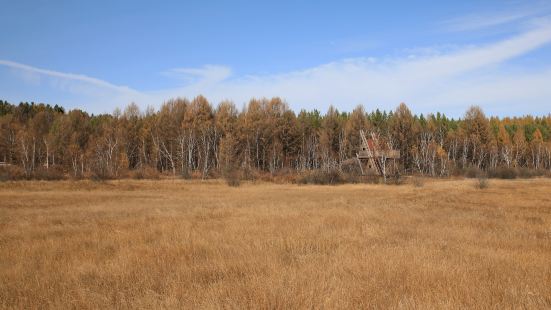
point(182, 244)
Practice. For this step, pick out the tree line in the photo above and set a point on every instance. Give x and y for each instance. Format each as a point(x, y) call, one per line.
point(195, 138)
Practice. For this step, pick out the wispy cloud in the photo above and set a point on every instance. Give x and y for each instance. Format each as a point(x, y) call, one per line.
point(66, 76)
point(475, 22)
point(507, 15)
point(447, 80)
point(205, 74)
point(421, 81)
point(73, 90)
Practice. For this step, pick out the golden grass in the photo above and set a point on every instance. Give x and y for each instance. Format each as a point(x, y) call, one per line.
point(181, 244)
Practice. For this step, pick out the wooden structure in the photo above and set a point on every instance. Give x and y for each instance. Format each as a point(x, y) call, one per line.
point(376, 159)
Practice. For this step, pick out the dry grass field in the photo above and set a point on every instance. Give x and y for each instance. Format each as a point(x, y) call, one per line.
point(183, 244)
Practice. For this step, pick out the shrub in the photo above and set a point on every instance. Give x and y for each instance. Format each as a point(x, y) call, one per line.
point(232, 180)
point(185, 174)
point(51, 174)
point(197, 175)
point(541, 172)
point(527, 173)
point(97, 177)
point(284, 176)
point(146, 173)
point(264, 176)
point(351, 171)
point(350, 178)
point(482, 182)
point(418, 181)
point(513, 173)
point(98, 172)
point(351, 167)
point(11, 173)
point(322, 177)
point(457, 171)
point(397, 179)
point(231, 175)
point(503, 173)
point(394, 179)
point(287, 178)
point(472, 172)
point(249, 174)
point(138, 174)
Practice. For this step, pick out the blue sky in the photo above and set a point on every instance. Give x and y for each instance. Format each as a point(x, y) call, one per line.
point(435, 56)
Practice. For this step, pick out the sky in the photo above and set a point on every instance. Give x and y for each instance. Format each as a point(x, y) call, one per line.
point(433, 55)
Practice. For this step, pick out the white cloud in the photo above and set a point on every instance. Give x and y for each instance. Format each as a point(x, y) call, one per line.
point(447, 81)
point(89, 93)
point(420, 81)
point(487, 20)
point(206, 74)
point(66, 76)
point(473, 22)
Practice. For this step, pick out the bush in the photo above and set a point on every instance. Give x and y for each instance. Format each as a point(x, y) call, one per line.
point(232, 180)
point(457, 171)
point(96, 177)
point(323, 177)
point(98, 172)
point(232, 177)
point(264, 176)
point(482, 183)
point(527, 173)
point(351, 171)
point(351, 166)
point(472, 172)
point(11, 173)
point(250, 174)
point(146, 173)
point(185, 174)
point(397, 179)
point(51, 174)
point(394, 179)
point(513, 173)
point(284, 176)
point(371, 179)
point(418, 181)
point(351, 178)
point(503, 173)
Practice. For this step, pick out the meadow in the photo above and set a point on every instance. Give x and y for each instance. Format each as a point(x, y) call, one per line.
point(190, 244)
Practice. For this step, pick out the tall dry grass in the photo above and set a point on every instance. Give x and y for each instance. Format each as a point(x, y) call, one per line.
point(183, 244)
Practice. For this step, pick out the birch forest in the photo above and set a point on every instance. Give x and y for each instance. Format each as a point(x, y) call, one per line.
point(197, 139)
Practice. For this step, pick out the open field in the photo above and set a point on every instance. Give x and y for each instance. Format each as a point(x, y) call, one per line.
point(154, 244)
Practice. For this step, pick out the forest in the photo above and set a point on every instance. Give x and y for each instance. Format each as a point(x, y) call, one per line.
point(196, 139)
